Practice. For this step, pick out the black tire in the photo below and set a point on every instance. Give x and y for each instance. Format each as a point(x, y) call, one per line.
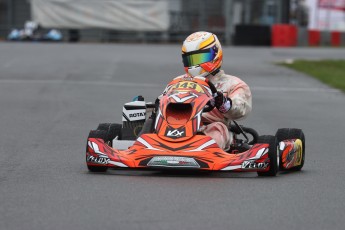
point(253, 133)
point(112, 130)
point(272, 154)
point(102, 134)
point(103, 126)
point(286, 133)
point(115, 132)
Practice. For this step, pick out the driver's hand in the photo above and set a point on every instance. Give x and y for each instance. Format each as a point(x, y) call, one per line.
point(222, 103)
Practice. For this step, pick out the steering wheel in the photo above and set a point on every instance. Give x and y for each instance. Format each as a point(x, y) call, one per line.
point(210, 106)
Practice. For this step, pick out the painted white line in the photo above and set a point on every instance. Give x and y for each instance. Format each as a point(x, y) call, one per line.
point(151, 85)
point(294, 89)
point(105, 83)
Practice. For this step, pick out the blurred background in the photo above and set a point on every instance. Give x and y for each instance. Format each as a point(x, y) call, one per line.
point(236, 22)
point(68, 65)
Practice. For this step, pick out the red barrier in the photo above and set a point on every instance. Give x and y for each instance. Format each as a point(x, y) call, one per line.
point(284, 35)
point(335, 38)
point(293, 35)
point(314, 37)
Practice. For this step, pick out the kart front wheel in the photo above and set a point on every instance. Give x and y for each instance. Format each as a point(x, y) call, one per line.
point(272, 154)
point(101, 134)
point(287, 133)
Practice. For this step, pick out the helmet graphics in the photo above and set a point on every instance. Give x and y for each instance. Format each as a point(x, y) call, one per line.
point(202, 54)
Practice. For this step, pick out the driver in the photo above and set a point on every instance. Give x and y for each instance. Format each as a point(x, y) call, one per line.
point(202, 55)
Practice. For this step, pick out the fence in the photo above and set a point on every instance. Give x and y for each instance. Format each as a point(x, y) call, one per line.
point(231, 20)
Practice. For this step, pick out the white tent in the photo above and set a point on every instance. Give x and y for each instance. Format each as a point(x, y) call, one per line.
point(137, 15)
point(327, 15)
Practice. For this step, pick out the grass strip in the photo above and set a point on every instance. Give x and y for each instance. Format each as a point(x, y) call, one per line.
point(331, 72)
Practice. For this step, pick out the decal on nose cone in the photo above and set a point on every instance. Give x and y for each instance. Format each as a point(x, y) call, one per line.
point(175, 133)
point(171, 161)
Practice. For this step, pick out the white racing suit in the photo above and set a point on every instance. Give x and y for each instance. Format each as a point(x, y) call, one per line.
point(216, 122)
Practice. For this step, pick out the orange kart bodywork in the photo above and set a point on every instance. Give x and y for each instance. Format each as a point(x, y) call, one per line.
point(202, 150)
point(175, 141)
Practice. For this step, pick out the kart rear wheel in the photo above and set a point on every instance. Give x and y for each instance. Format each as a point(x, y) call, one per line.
point(272, 154)
point(102, 135)
point(286, 133)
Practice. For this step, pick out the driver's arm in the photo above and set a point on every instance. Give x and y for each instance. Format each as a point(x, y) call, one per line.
point(239, 93)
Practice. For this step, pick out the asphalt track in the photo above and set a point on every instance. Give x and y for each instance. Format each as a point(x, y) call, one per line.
point(51, 95)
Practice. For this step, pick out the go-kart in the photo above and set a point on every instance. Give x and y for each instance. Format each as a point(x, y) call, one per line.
point(166, 136)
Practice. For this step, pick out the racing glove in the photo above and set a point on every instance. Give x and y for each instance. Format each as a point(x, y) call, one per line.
point(222, 103)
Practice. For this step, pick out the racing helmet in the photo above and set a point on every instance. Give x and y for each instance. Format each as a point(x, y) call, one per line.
point(202, 54)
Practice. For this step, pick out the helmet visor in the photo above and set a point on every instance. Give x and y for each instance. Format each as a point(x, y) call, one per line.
point(198, 57)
